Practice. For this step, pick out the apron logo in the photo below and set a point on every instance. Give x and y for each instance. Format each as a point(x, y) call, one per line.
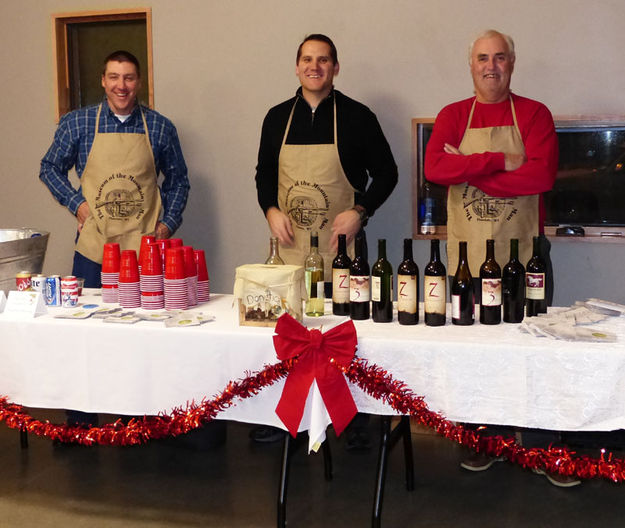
point(307, 205)
point(485, 208)
point(120, 203)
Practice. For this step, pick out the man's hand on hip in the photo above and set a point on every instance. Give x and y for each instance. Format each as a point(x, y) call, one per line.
point(280, 225)
point(82, 214)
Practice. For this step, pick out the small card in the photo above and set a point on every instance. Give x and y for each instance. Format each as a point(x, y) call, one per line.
point(156, 316)
point(125, 318)
point(75, 314)
point(189, 319)
point(103, 313)
point(28, 303)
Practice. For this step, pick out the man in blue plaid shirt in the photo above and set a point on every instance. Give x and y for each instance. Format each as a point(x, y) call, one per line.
point(118, 148)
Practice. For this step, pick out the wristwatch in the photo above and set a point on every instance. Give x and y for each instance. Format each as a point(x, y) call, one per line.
point(362, 213)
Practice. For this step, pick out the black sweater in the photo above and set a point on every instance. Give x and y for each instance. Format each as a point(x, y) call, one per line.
point(363, 149)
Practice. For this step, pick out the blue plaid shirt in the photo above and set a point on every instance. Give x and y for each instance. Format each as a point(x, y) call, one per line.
point(73, 140)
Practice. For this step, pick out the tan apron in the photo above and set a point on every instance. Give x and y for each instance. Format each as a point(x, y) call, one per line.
point(475, 216)
point(312, 191)
point(120, 186)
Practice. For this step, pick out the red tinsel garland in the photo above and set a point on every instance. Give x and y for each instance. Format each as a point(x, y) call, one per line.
point(371, 378)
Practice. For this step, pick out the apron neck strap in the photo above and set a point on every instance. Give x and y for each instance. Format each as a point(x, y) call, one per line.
point(288, 123)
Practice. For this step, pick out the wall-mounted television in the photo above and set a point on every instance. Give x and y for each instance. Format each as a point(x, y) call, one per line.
point(587, 201)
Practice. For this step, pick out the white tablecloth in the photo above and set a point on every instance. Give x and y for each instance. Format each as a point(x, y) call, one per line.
point(482, 374)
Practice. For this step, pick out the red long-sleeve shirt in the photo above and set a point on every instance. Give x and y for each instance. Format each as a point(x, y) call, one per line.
point(486, 170)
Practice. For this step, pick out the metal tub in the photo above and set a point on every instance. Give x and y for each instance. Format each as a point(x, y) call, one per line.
point(20, 250)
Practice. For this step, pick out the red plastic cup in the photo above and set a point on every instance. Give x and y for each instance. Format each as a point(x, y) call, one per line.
point(163, 244)
point(189, 261)
point(200, 263)
point(174, 264)
point(110, 258)
point(175, 242)
point(145, 241)
point(129, 268)
point(151, 263)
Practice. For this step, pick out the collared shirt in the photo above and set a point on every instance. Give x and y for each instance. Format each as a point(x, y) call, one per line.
point(365, 154)
point(73, 140)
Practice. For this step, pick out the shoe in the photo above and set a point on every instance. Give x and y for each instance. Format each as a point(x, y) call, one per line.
point(562, 481)
point(358, 440)
point(266, 434)
point(480, 461)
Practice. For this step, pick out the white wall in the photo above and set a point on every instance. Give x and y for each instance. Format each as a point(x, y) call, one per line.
point(218, 67)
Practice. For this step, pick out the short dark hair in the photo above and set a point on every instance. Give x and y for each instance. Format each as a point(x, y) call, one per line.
point(321, 38)
point(121, 56)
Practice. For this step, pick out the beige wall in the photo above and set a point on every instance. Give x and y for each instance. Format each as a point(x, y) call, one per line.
point(219, 65)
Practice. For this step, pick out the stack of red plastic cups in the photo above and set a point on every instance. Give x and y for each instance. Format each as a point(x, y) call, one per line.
point(129, 292)
point(163, 245)
point(145, 241)
point(203, 284)
point(151, 279)
point(175, 283)
point(110, 272)
point(191, 271)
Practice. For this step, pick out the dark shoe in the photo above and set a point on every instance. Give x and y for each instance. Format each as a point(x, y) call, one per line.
point(480, 461)
point(266, 434)
point(358, 440)
point(562, 481)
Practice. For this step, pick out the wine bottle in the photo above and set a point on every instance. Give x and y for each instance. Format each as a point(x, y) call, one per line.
point(513, 286)
point(340, 279)
point(462, 296)
point(382, 286)
point(535, 270)
point(274, 252)
point(435, 287)
point(313, 273)
point(408, 288)
point(490, 282)
point(359, 284)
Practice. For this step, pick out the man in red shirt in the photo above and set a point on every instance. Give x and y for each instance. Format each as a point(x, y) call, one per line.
point(497, 152)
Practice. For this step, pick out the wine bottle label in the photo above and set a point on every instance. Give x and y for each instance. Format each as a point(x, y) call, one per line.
point(313, 279)
point(434, 294)
point(407, 293)
point(340, 285)
point(455, 306)
point(359, 288)
point(491, 292)
point(376, 289)
point(535, 286)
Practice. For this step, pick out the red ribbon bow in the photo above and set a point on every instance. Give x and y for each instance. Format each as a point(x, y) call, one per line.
point(315, 352)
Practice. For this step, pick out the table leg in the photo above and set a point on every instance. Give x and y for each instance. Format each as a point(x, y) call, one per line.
point(284, 480)
point(23, 439)
point(388, 440)
point(406, 435)
point(381, 474)
point(327, 459)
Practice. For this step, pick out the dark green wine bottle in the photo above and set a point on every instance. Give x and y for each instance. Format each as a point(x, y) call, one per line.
point(359, 284)
point(513, 286)
point(435, 287)
point(340, 279)
point(382, 286)
point(535, 301)
point(408, 288)
point(462, 295)
point(490, 282)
